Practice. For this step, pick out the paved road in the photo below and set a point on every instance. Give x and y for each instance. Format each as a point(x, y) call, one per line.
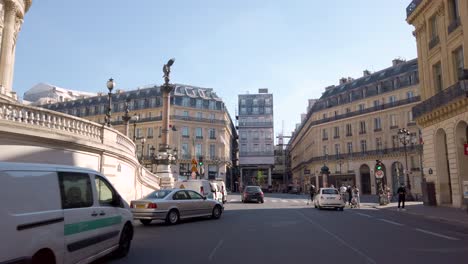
point(286, 230)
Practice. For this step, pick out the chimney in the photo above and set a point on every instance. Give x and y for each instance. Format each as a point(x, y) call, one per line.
point(343, 80)
point(366, 73)
point(397, 61)
point(263, 90)
point(350, 79)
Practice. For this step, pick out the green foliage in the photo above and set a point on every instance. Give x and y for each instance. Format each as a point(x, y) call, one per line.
point(260, 178)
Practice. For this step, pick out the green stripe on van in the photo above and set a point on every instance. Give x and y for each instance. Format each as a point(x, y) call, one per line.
point(79, 227)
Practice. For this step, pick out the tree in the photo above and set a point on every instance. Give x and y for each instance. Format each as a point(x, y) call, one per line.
point(260, 178)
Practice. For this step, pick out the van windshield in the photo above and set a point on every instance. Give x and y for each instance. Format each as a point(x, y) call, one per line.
point(158, 194)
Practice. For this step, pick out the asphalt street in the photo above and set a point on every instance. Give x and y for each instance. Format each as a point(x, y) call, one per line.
point(285, 229)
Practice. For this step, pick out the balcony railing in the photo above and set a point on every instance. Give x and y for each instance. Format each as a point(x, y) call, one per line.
point(255, 124)
point(442, 98)
point(361, 154)
point(412, 6)
point(197, 119)
point(256, 154)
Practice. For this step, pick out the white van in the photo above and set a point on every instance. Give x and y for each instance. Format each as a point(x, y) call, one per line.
point(60, 214)
point(222, 187)
point(204, 187)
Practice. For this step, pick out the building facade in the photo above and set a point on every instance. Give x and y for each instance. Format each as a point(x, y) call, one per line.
point(202, 129)
point(443, 112)
point(255, 129)
point(44, 93)
point(356, 123)
point(11, 18)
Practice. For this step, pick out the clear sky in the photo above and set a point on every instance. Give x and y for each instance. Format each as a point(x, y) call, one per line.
point(294, 48)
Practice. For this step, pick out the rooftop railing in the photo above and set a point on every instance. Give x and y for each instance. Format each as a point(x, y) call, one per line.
point(412, 6)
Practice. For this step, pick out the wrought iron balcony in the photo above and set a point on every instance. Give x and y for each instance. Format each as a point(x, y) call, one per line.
point(456, 91)
point(412, 6)
point(256, 124)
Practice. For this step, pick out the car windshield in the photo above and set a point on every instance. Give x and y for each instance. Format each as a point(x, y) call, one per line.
point(329, 191)
point(253, 189)
point(158, 194)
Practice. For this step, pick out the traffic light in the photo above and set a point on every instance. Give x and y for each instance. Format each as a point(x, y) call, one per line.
point(378, 165)
point(200, 161)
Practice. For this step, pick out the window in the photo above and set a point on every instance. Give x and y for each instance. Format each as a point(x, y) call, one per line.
point(362, 127)
point(410, 117)
point(410, 94)
point(186, 101)
point(243, 148)
point(199, 103)
point(75, 189)
point(392, 99)
point(363, 146)
point(149, 132)
point(139, 133)
point(458, 61)
point(268, 147)
point(433, 27)
point(348, 110)
point(199, 132)
point(376, 103)
point(349, 130)
point(350, 147)
point(181, 195)
point(255, 135)
point(194, 196)
point(186, 114)
point(378, 143)
point(361, 107)
point(377, 124)
point(104, 190)
point(243, 135)
point(212, 116)
point(453, 9)
point(243, 110)
point(325, 150)
point(325, 115)
point(212, 105)
point(267, 110)
point(255, 110)
point(267, 101)
point(337, 132)
point(185, 132)
point(437, 72)
point(324, 134)
point(337, 149)
point(268, 134)
point(198, 150)
point(395, 142)
point(212, 151)
point(255, 101)
point(336, 113)
point(255, 147)
point(393, 121)
point(242, 101)
point(185, 149)
point(212, 133)
point(199, 115)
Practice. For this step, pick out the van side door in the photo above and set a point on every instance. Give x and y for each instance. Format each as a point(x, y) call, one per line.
point(109, 214)
point(80, 216)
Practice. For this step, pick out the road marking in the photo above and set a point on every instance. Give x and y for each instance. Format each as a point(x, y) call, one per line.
point(274, 201)
point(284, 201)
point(368, 259)
point(210, 257)
point(233, 200)
point(295, 201)
point(390, 222)
point(366, 215)
point(436, 234)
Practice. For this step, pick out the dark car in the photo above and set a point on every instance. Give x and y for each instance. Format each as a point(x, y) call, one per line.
point(252, 194)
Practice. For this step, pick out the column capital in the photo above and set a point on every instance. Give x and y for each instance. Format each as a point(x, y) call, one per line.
point(10, 7)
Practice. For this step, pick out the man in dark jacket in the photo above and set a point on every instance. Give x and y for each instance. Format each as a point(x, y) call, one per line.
point(350, 194)
point(401, 196)
point(312, 192)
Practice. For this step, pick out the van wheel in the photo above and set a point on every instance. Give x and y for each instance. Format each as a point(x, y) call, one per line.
point(216, 214)
point(145, 221)
point(125, 241)
point(44, 256)
point(172, 217)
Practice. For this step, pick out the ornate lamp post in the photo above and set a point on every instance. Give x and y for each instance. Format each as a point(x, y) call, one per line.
point(405, 138)
point(135, 118)
point(110, 86)
point(143, 141)
point(126, 118)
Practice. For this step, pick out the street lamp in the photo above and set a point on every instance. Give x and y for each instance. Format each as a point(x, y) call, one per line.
point(135, 119)
point(110, 86)
point(405, 138)
point(143, 140)
point(126, 118)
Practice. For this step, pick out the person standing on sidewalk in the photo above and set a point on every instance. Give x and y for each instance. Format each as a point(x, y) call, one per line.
point(312, 192)
point(401, 196)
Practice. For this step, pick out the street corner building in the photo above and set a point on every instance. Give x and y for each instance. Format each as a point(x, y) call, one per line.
point(357, 122)
point(443, 111)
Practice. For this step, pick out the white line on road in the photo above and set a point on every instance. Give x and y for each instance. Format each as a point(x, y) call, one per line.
point(436, 234)
point(295, 201)
point(274, 201)
point(233, 200)
point(366, 215)
point(368, 259)
point(210, 257)
point(390, 222)
point(284, 201)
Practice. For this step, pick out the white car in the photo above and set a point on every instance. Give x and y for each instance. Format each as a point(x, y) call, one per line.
point(60, 214)
point(328, 198)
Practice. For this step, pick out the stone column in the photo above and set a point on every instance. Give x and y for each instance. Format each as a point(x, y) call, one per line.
point(6, 59)
point(269, 177)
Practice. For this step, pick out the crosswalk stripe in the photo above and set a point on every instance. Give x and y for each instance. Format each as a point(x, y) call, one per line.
point(295, 201)
point(284, 201)
point(233, 200)
point(274, 201)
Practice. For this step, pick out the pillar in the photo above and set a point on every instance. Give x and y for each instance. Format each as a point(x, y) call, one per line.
point(269, 177)
point(7, 49)
point(241, 181)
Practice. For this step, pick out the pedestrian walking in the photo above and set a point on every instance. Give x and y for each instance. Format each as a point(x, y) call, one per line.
point(401, 196)
point(350, 194)
point(356, 196)
point(343, 192)
point(312, 192)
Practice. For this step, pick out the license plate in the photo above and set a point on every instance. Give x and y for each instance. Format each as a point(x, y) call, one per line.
point(254, 199)
point(330, 198)
point(141, 206)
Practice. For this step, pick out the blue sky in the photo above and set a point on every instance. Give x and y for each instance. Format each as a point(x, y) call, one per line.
point(294, 48)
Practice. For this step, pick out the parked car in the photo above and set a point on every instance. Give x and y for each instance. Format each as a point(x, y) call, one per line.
point(328, 198)
point(172, 205)
point(223, 190)
point(60, 214)
point(252, 194)
point(204, 187)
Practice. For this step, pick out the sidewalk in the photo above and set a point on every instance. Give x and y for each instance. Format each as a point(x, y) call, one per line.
point(440, 213)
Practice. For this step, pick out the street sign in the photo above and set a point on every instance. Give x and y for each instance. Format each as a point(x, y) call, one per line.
point(379, 174)
point(194, 168)
point(194, 161)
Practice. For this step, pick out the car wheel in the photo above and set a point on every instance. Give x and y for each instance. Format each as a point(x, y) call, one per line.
point(172, 217)
point(145, 221)
point(124, 242)
point(217, 211)
point(341, 208)
point(43, 256)
point(262, 201)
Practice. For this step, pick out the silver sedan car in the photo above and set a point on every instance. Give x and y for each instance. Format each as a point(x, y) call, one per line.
point(172, 205)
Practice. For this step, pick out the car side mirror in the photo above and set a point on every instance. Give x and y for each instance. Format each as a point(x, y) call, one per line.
point(204, 197)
